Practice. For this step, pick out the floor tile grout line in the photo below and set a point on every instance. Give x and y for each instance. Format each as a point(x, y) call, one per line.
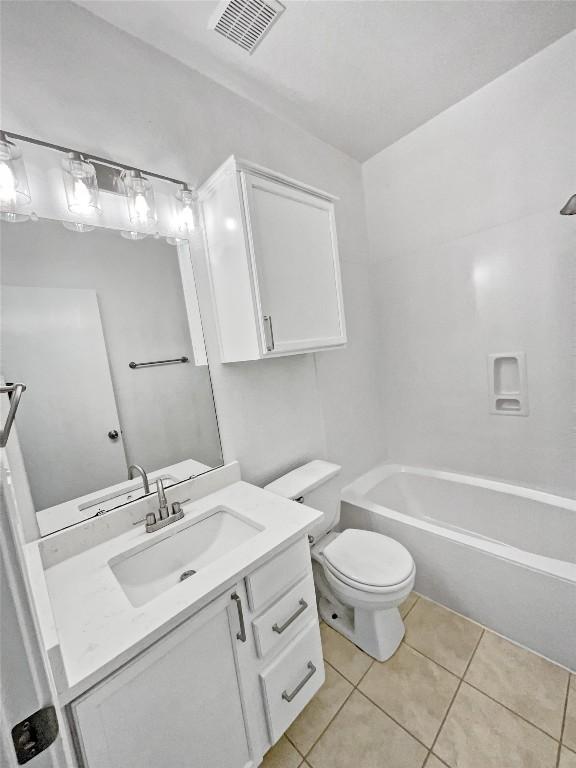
point(495, 632)
point(326, 662)
point(439, 731)
point(442, 666)
point(428, 756)
point(409, 611)
point(365, 673)
point(461, 679)
point(327, 726)
point(429, 658)
point(513, 711)
point(480, 690)
point(404, 728)
point(563, 722)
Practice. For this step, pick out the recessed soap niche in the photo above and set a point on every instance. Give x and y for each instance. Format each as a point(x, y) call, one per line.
point(508, 384)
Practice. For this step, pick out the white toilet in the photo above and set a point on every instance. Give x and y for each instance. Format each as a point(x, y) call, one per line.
point(361, 577)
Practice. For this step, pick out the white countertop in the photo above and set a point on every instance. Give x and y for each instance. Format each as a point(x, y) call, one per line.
point(96, 626)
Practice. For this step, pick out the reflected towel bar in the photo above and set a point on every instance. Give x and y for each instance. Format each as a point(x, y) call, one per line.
point(14, 392)
point(160, 362)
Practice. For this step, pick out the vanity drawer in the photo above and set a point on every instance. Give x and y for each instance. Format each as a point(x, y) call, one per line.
point(274, 577)
point(292, 679)
point(283, 620)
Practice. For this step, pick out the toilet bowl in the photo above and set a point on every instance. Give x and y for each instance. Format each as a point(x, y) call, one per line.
point(361, 577)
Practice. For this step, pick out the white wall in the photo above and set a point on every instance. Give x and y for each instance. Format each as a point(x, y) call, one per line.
point(73, 79)
point(470, 257)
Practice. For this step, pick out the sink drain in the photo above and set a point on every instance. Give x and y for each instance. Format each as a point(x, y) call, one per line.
point(186, 575)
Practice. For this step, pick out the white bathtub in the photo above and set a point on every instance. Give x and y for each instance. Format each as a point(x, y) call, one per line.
point(500, 554)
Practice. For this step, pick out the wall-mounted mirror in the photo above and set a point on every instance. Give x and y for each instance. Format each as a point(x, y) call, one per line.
point(87, 322)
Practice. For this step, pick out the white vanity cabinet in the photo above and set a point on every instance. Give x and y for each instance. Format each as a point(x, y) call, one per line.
point(178, 704)
point(218, 690)
point(273, 261)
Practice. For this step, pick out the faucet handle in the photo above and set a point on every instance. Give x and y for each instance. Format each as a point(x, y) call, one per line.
point(150, 519)
point(176, 507)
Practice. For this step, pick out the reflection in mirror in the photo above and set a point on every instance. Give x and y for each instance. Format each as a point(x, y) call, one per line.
point(77, 311)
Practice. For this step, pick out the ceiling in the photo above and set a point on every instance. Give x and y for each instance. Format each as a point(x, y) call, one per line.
point(357, 74)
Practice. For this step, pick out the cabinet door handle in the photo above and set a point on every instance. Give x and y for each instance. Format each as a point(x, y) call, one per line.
point(290, 696)
point(302, 607)
point(242, 634)
point(269, 333)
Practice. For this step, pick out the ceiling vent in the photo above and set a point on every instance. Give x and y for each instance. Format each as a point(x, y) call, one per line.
point(245, 22)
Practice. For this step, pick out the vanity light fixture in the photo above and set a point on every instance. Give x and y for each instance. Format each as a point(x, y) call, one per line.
point(140, 201)
point(14, 189)
point(85, 177)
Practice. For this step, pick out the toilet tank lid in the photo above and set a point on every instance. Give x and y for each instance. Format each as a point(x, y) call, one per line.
point(304, 479)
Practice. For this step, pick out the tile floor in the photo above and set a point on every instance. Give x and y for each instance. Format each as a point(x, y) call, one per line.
point(454, 695)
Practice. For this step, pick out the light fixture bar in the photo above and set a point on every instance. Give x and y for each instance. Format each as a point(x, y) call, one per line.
point(89, 156)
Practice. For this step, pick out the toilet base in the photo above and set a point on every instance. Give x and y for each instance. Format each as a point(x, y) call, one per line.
point(377, 633)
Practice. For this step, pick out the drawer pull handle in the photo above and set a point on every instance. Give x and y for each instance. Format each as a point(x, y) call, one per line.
point(282, 627)
point(290, 696)
point(242, 634)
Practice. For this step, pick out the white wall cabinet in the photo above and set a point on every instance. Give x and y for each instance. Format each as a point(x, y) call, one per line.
point(273, 260)
point(178, 704)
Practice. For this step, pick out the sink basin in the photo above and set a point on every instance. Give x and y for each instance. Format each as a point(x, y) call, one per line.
point(152, 568)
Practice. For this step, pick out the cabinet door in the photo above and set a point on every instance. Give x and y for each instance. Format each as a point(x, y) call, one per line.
point(295, 258)
point(177, 705)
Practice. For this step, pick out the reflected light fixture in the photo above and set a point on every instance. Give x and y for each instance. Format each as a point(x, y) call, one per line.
point(570, 208)
point(131, 234)
point(14, 189)
point(78, 226)
point(187, 217)
point(141, 206)
point(176, 241)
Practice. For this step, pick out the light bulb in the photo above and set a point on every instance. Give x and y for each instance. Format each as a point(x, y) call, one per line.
point(187, 213)
point(141, 209)
point(82, 196)
point(7, 185)
point(81, 186)
point(14, 190)
point(140, 201)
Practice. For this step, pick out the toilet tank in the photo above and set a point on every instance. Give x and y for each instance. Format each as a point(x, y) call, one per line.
point(317, 485)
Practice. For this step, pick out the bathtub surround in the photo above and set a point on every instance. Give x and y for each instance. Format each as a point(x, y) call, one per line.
point(273, 414)
point(470, 259)
point(502, 706)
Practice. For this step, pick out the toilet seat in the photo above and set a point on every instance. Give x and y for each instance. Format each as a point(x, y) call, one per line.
point(369, 561)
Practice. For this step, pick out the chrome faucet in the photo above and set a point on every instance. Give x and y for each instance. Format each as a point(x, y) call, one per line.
point(136, 469)
point(162, 503)
point(164, 517)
